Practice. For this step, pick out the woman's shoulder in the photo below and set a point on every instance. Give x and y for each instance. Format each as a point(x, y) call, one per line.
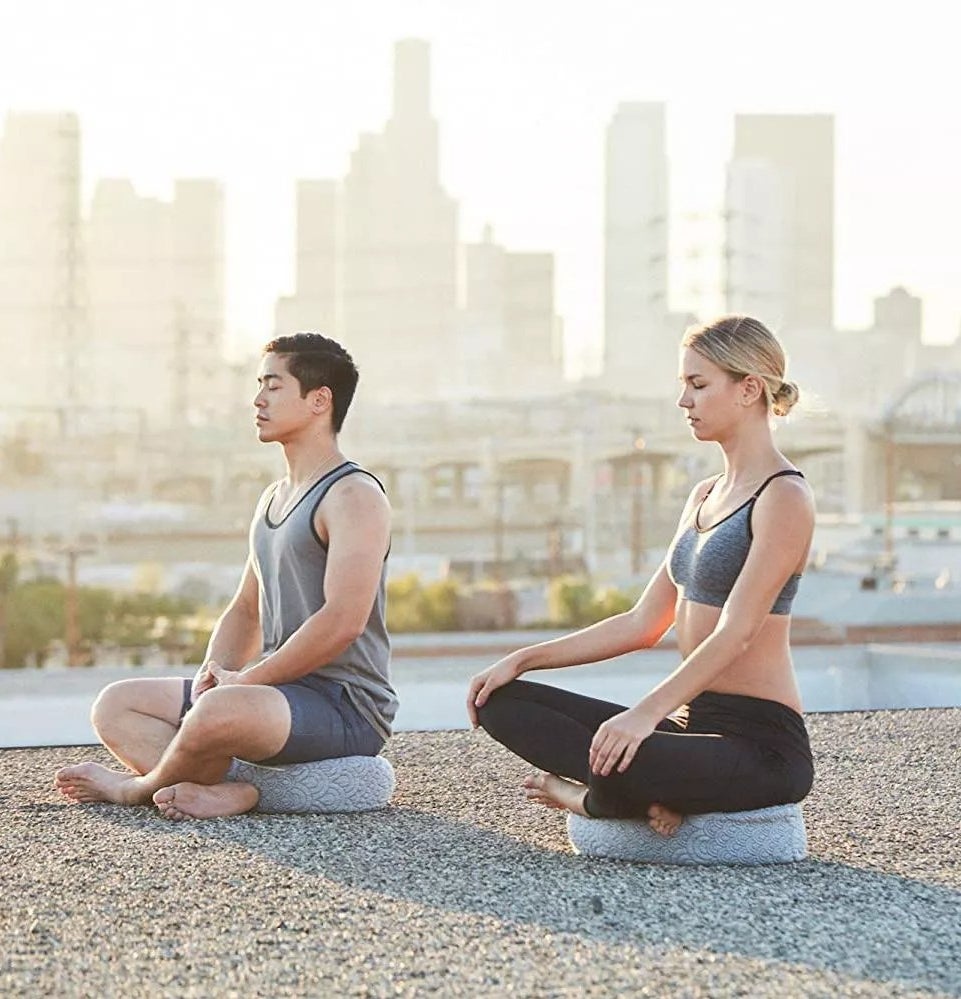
point(786, 500)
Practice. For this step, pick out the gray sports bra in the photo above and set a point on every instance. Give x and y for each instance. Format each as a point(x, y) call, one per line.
point(704, 564)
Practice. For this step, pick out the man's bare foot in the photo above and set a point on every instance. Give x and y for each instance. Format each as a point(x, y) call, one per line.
point(205, 801)
point(663, 821)
point(87, 782)
point(555, 792)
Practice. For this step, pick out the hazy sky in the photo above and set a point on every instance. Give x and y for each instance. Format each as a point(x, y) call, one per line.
point(261, 94)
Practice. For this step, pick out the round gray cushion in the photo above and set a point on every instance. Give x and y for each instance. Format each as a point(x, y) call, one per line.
point(346, 784)
point(765, 836)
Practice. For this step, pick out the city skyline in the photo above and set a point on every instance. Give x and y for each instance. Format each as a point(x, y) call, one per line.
point(509, 184)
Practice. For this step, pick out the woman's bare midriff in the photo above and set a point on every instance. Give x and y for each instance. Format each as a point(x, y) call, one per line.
point(763, 670)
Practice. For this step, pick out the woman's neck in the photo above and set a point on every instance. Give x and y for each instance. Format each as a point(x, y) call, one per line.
point(749, 456)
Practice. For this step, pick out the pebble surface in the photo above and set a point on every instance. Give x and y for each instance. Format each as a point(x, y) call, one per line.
point(461, 888)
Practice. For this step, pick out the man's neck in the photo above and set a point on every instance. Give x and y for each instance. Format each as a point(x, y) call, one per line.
point(305, 459)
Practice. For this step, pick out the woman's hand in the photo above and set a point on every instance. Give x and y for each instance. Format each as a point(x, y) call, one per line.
point(618, 739)
point(484, 684)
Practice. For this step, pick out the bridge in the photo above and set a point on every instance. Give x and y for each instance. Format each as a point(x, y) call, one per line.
point(583, 473)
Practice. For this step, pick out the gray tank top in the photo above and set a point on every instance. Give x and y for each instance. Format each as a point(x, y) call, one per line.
point(290, 561)
point(704, 563)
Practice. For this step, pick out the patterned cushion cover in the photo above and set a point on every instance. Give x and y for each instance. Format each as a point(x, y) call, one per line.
point(765, 836)
point(347, 784)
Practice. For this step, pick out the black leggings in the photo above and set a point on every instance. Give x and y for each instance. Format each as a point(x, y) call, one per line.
point(731, 753)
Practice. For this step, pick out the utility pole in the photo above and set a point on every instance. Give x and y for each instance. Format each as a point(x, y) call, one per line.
point(71, 310)
point(180, 395)
point(72, 636)
point(555, 548)
point(8, 580)
point(637, 506)
point(499, 530)
point(889, 495)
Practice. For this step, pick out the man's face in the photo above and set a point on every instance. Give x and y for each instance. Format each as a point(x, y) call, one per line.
point(281, 411)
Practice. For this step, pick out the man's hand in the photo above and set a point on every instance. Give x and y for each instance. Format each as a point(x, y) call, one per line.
point(225, 677)
point(618, 739)
point(202, 682)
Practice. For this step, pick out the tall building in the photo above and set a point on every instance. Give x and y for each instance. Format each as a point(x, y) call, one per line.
point(131, 319)
point(42, 293)
point(398, 289)
point(156, 295)
point(755, 238)
point(635, 248)
point(314, 306)
point(197, 279)
point(508, 332)
point(779, 255)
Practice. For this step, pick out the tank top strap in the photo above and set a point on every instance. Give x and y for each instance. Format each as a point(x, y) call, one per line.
point(341, 472)
point(786, 471)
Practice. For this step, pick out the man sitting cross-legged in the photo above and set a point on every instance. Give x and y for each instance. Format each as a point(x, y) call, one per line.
point(298, 665)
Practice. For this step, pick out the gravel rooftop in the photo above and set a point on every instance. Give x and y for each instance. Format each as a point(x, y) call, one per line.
point(461, 888)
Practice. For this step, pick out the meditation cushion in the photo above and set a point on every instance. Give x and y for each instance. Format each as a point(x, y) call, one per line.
point(764, 836)
point(346, 784)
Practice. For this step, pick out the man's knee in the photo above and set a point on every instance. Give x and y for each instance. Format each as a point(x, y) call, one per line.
point(122, 701)
point(206, 720)
point(216, 718)
point(111, 703)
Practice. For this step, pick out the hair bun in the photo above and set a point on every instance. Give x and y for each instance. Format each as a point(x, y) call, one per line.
point(785, 398)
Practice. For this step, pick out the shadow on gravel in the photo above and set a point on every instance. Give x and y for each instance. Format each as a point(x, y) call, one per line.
point(822, 915)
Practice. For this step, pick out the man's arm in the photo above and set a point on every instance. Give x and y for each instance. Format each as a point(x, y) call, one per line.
point(236, 638)
point(355, 519)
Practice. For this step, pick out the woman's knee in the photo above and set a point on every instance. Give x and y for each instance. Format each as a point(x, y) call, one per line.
point(500, 709)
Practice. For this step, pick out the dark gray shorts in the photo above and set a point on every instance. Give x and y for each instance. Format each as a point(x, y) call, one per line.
point(324, 723)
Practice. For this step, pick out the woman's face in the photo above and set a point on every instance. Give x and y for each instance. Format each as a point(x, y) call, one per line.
point(711, 399)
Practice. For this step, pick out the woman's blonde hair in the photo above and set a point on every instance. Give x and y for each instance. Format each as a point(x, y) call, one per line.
point(742, 346)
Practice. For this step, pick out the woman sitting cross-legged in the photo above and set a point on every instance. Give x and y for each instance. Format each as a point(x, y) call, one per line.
point(724, 731)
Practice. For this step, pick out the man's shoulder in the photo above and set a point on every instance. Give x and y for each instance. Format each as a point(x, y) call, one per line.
point(355, 493)
point(356, 483)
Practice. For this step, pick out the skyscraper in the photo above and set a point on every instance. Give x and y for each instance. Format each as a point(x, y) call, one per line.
point(156, 280)
point(398, 293)
point(42, 293)
point(197, 240)
point(780, 232)
point(313, 305)
point(509, 333)
point(635, 245)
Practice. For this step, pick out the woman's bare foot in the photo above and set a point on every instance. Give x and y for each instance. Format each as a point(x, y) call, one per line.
point(87, 782)
point(555, 792)
point(663, 821)
point(205, 801)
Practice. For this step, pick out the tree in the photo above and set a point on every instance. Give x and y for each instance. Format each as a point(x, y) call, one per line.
point(36, 616)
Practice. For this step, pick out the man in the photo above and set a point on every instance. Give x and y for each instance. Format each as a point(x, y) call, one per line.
point(297, 665)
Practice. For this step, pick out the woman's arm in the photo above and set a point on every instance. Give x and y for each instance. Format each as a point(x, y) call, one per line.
point(782, 523)
point(641, 627)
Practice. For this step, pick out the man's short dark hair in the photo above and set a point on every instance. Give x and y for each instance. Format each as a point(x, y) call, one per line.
point(316, 361)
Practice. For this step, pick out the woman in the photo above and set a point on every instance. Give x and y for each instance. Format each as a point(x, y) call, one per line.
point(724, 731)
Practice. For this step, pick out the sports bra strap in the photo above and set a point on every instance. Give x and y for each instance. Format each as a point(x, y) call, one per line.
point(710, 488)
point(771, 478)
